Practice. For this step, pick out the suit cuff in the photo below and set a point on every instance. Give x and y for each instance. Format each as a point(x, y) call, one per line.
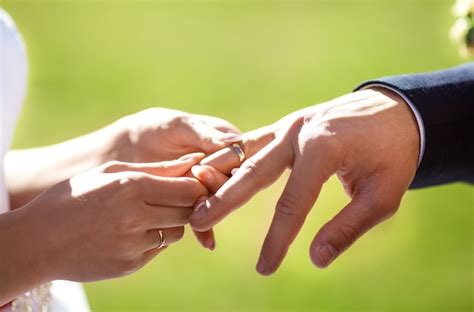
point(416, 113)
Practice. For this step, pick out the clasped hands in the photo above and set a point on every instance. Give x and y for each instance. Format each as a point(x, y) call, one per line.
point(113, 218)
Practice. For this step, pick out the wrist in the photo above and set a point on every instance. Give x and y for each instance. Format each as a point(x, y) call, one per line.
point(24, 259)
point(39, 240)
point(118, 147)
point(111, 139)
point(404, 116)
point(414, 112)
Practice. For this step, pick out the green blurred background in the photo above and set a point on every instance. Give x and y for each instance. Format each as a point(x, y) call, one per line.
point(251, 62)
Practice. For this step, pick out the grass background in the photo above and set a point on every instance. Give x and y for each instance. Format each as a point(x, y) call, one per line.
point(252, 62)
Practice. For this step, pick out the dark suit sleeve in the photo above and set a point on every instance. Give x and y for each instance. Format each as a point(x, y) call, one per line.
point(445, 102)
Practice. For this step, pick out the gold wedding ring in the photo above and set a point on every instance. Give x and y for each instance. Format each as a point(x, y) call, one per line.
point(238, 149)
point(162, 239)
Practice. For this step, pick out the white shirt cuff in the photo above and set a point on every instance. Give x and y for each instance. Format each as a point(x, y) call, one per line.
point(419, 120)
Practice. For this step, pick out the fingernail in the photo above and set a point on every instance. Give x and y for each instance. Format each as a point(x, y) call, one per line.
point(199, 207)
point(325, 254)
point(230, 138)
point(202, 174)
point(210, 244)
point(262, 266)
point(193, 156)
point(199, 211)
point(207, 242)
point(233, 171)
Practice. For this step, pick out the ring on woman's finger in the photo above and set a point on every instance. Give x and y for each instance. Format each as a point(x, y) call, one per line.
point(162, 239)
point(238, 149)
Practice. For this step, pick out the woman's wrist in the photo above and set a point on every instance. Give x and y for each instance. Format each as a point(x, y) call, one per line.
point(118, 146)
point(25, 254)
point(31, 171)
point(106, 142)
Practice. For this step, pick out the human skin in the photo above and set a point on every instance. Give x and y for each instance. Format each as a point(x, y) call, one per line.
point(369, 139)
point(97, 225)
point(151, 135)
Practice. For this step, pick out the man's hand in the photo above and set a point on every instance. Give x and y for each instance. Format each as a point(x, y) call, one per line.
point(368, 138)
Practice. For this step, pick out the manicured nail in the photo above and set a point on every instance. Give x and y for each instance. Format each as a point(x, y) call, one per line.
point(207, 242)
point(262, 266)
point(199, 211)
point(199, 207)
point(230, 138)
point(202, 174)
point(325, 254)
point(210, 244)
point(193, 156)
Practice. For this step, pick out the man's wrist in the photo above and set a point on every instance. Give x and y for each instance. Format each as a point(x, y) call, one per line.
point(416, 115)
point(409, 122)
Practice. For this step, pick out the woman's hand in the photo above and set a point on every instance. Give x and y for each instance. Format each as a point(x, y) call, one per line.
point(152, 135)
point(100, 224)
point(213, 180)
point(158, 134)
point(368, 138)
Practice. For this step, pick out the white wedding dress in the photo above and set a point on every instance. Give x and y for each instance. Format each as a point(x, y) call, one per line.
point(57, 296)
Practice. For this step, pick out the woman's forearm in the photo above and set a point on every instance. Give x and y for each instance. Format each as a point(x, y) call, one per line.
point(29, 172)
point(23, 255)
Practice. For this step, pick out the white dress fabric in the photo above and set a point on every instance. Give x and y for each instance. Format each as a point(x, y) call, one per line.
point(59, 296)
point(13, 76)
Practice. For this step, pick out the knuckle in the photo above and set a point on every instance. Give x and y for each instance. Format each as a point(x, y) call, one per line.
point(287, 208)
point(340, 236)
point(323, 134)
point(131, 183)
point(347, 234)
point(324, 138)
point(128, 220)
point(178, 119)
point(133, 222)
point(297, 124)
point(194, 190)
point(250, 169)
point(197, 189)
